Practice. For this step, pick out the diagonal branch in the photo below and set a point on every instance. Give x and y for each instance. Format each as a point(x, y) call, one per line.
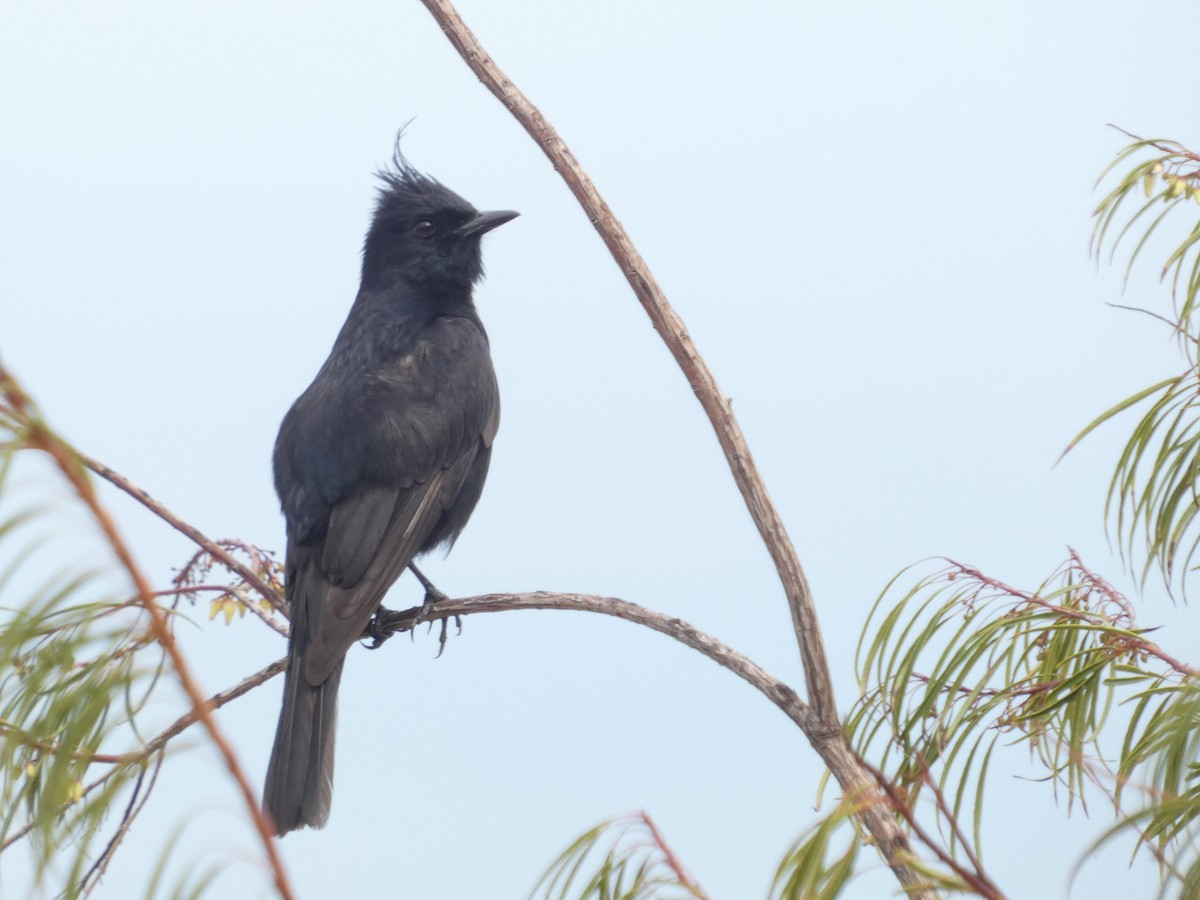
point(671, 329)
point(825, 733)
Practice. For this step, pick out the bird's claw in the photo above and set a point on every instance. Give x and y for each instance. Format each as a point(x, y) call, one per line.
point(374, 632)
point(442, 636)
point(432, 597)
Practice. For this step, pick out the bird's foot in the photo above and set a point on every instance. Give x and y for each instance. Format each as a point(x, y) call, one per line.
point(442, 634)
point(433, 596)
point(375, 632)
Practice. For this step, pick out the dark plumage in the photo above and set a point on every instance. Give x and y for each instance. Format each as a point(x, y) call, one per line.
point(381, 459)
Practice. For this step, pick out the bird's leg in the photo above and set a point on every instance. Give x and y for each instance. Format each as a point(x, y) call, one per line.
point(432, 596)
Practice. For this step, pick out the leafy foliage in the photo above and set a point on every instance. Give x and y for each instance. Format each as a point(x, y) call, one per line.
point(1153, 489)
point(636, 865)
point(807, 871)
point(75, 672)
point(79, 662)
point(1177, 170)
point(962, 662)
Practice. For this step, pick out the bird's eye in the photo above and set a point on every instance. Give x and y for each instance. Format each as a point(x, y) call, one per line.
point(424, 228)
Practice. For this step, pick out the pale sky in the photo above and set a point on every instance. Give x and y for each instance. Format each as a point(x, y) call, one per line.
point(873, 218)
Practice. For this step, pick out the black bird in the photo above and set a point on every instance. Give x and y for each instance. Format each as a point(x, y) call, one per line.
point(381, 459)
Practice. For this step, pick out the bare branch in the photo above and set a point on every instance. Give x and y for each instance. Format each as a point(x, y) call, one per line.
point(216, 701)
point(671, 329)
point(137, 802)
point(389, 622)
point(830, 743)
point(827, 737)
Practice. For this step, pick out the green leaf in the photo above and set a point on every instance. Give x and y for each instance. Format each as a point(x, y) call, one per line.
point(1115, 410)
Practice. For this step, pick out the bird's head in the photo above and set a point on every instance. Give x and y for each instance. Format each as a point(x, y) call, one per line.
point(424, 233)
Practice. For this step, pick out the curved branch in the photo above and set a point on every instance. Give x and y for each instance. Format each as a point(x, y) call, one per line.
point(389, 622)
point(830, 743)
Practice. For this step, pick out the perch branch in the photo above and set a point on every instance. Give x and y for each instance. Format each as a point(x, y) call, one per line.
point(776, 691)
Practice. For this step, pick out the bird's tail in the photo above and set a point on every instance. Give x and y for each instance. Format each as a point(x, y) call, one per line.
point(299, 787)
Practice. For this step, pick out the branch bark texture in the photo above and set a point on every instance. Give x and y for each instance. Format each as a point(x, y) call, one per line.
point(775, 690)
point(671, 329)
point(823, 729)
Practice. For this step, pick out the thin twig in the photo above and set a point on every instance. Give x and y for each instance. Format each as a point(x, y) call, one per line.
point(132, 811)
point(949, 816)
point(1174, 326)
point(1131, 643)
point(160, 740)
point(1172, 148)
point(18, 736)
point(266, 614)
point(980, 885)
point(210, 546)
point(682, 875)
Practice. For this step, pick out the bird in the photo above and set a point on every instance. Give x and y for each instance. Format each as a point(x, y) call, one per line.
point(382, 458)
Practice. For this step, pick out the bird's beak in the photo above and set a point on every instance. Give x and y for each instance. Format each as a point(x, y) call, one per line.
point(486, 221)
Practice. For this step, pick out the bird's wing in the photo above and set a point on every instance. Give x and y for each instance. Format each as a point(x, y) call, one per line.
point(372, 537)
point(425, 424)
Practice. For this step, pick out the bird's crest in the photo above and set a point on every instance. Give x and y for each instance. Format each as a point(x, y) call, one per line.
point(405, 188)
